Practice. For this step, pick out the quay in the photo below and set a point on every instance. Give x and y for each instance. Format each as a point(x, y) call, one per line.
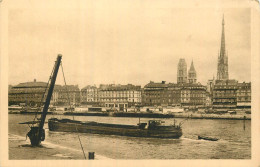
point(212, 116)
point(189, 115)
point(21, 149)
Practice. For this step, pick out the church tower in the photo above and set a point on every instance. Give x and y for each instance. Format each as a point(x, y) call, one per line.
point(222, 73)
point(192, 75)
point(182, 71)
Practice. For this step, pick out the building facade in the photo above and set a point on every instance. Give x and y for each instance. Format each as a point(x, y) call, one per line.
point(68, 95)
point(90, 95)
point(244, 95)
point(174, 94)
point(162, 94)
point(155, 94)
point(120, 97)
point(225, 94)
point(30, 93)
point(193, 95)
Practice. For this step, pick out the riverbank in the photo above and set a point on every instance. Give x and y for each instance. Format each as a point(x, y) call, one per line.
point(213, 116)
point(20, 149)
point(189, 115)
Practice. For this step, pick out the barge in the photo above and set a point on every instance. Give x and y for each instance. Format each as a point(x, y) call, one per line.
point(151, 129)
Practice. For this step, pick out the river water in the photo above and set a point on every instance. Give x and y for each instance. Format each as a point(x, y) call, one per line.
point(234, 135)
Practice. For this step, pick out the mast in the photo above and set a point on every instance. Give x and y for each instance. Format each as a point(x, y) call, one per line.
point(37, 133)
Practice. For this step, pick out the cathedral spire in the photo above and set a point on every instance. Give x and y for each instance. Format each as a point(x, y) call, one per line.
point(223, 21)
point(192, 66)
point(222, 73)
point(223, 47)
point(192, 75)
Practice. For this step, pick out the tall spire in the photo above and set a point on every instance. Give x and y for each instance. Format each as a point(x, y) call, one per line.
point(192, 75)
point(223, 47)
point(192, 66)
point(223, 21)
point(222, 73)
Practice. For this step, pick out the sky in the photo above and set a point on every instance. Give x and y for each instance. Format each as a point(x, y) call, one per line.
point(105, 42)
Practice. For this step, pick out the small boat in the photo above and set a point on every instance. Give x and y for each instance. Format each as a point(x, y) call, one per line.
point(207, 138)
point(151, 129)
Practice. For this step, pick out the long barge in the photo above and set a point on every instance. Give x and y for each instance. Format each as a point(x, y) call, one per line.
point(151, 129)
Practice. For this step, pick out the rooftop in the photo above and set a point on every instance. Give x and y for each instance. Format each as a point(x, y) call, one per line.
point(120, 87)
point(31, 84)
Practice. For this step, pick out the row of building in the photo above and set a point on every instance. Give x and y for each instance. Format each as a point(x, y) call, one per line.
point(219, 94)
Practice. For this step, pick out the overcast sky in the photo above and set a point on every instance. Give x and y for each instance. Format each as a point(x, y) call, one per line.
point(122, 42)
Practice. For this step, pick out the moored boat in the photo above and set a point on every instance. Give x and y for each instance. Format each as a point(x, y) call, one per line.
point(153, 128)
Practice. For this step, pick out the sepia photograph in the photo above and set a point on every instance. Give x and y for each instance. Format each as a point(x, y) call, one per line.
point(130, 80)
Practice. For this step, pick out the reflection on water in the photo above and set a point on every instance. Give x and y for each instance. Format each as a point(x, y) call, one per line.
point(234, 143)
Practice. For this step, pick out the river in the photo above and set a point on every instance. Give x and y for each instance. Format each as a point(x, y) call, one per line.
point(234, 135)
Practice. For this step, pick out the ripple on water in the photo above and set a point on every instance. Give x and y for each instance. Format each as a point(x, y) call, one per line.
point(234, 141)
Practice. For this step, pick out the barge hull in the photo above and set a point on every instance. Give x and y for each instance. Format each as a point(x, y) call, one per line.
point(122, 130)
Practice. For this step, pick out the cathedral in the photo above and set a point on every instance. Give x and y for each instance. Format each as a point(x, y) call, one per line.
point(182, 76)
point(222, 73)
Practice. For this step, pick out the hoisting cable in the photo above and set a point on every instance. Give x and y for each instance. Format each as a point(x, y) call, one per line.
point(71, 110)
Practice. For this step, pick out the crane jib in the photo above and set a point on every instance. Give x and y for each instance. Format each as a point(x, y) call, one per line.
point(37, 133)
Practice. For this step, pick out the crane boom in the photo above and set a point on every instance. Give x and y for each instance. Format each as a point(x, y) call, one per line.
point(37, 134)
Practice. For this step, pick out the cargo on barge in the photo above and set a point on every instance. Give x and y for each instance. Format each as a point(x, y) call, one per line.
point(153, 128)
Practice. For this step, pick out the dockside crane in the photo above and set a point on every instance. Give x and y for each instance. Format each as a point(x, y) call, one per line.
point(37, 132)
